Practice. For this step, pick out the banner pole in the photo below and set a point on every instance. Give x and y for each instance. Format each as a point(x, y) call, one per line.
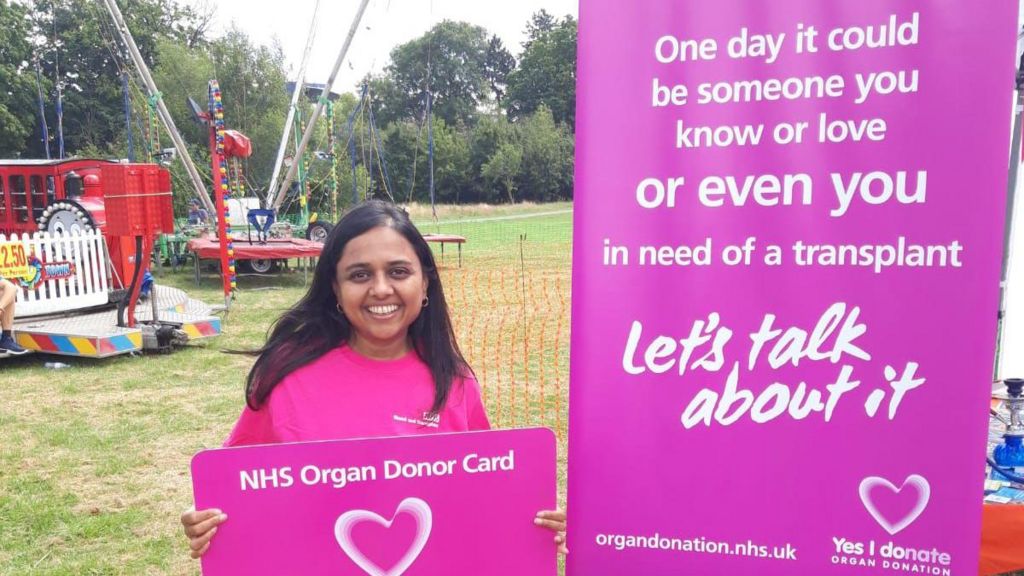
point(1012, 183)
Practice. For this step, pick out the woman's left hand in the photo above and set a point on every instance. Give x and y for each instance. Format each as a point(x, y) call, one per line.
point(554, 520)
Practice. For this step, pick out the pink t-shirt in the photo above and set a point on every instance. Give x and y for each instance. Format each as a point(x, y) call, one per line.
point(345, 395)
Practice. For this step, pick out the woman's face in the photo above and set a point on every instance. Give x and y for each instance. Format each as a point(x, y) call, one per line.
point(380, 286)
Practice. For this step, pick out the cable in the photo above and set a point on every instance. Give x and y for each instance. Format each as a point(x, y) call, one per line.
point(415, 155)
point(42, 108)
point(60, 100)
point(1005, 472)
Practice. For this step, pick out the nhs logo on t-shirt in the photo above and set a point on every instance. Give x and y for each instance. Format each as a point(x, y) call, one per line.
point(427, 419)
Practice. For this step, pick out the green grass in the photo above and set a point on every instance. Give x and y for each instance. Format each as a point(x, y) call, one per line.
point(94, 459)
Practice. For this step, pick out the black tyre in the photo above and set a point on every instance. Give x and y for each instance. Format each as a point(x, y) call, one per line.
point(262, 265)
point(65, 217)
point(318, 231)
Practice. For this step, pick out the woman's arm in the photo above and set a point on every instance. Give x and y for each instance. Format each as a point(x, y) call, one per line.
point(200, 526)
point(252, 427)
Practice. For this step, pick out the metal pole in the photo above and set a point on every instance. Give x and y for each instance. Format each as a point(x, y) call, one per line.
point(165, 115)
point(152, 301)
point(1011, 189)
point(302, 192)
point(60, 121)
point(320, 105)
point(430, 157)
point(300, 81)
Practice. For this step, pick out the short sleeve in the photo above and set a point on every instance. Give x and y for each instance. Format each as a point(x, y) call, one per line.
point(253, 427)
point(476, 414)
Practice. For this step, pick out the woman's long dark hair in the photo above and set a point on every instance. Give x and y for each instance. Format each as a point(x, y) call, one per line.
point(314, 326)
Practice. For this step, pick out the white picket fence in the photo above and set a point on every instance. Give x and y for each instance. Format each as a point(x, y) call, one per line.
point(88, 286)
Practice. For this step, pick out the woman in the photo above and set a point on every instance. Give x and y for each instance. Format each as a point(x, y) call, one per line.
point(368, 351)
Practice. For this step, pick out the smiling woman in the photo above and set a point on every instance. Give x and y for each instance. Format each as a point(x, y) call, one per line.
point(381, 290)
point(367, 296)
point(369, 351)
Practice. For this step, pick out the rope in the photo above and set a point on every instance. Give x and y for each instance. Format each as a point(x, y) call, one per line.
point(426, 118)
point(382, 165)
point(150, 134)
point(42, 110)
point(60, 100)
point(430, 119)
point(128, 117)
point(351, 145)
point(416, 155)
point(366, 161)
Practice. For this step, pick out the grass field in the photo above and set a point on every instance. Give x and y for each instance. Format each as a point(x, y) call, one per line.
point(94, 458)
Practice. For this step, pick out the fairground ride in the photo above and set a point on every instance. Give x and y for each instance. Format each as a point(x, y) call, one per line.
point(76, 234)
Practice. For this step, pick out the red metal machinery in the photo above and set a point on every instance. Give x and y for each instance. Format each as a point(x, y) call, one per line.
point(225, 145)
point(128, 203)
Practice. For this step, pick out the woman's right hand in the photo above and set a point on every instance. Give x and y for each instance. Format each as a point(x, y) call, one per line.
point(200, 526)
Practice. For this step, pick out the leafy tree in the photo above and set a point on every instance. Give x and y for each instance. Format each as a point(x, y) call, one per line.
point(540, 24)
point(452, 175)
point(405, 145)
point(455, 61)
point(17, 98)
point(547, 71)
point(503, 168)
point(498, 64)
point(491, 132)
point(183, 73)
point(390, 104)
point(547, 166)
point(180, 74)
point(252, 82)
point(81, 53)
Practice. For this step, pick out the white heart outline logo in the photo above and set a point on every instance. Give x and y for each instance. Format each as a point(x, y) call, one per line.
point(418, 509)
point(924, 492)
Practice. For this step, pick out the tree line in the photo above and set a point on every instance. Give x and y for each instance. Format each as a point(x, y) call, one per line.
point(502, 126)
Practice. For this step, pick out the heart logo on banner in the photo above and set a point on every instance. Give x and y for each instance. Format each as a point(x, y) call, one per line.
point(420, 512)
point(921, 490)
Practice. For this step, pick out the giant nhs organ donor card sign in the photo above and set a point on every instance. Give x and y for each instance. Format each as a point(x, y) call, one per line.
point(423, 505)
point(788, 230)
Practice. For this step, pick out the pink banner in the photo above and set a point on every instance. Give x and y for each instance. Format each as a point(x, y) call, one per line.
point(788, 231)
point(417, 505)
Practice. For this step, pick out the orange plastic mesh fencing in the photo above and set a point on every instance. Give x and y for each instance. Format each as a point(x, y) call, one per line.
point(514, 332)
point(509, 292)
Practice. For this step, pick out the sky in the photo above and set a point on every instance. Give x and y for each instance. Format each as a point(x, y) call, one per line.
point(386, 24)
